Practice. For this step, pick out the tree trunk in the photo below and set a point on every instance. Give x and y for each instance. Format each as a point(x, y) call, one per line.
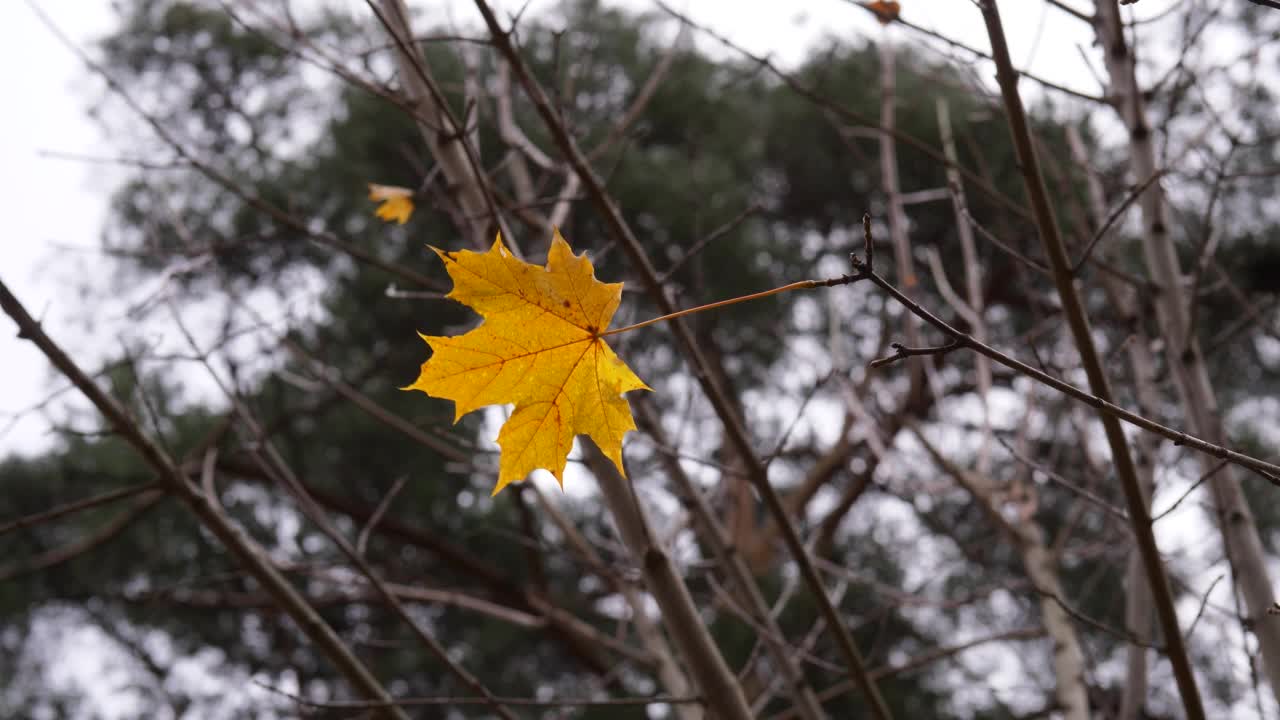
point(716, 683)
point(1068, 658)
point(1183, 354)
point(742, 584)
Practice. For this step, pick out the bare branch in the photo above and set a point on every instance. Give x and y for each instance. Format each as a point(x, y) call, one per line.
point(247, 551)
point(904, 352)
point(362, 541)
point(34, 519)
point(273, 464)
point(90, 542)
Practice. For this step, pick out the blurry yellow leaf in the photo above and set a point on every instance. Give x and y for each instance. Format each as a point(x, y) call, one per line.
point(538, 347)
point(397, 202)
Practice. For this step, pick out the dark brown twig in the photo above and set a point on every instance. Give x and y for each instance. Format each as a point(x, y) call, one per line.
point(1204, 602)
point(1084, 493)
point(362, 541)
point(51, 514)
point(100, 536)
point(1270, 471)
point(920, 661)
point(706, 240)
point(903, 352)
point(1203, 477)
point(1115, 215)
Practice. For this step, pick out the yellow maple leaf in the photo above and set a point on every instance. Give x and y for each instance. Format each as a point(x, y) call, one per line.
point(397, 202)
point(539, 347)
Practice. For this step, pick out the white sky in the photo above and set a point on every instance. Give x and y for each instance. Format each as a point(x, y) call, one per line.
point(46, 203)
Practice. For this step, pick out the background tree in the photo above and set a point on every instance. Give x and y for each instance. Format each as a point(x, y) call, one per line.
point(965, 521)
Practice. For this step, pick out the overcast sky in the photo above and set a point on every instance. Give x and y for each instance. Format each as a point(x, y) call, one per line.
point(54, 207)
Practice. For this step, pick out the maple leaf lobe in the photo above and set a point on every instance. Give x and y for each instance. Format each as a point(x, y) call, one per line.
point(539, 348)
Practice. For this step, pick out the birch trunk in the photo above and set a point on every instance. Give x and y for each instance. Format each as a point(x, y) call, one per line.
point(719, 688)
point(742, 583)
point(1183, 354)
point(1068, 658)
point(974, 300)
point(444, 139)
point(889, 185)
point(1078, 320)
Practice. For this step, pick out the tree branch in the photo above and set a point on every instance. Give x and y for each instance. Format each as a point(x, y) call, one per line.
point(1073, 308)
point(240, 544)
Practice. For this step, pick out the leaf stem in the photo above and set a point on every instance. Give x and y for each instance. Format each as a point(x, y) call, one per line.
point(803, 284)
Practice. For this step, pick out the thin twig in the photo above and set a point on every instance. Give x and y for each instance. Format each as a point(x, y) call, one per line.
point(713, 236)
point(249, 553)
point(1115, 215)
point(641, 101)
point(1204, 602)
point(920, 661)
point(903, 352)
point(362, 541)
point(1203, 477)
point(1004, 246)
point(25, 565)
point(781, 444)
point(27, 521)
point(1055, 477)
